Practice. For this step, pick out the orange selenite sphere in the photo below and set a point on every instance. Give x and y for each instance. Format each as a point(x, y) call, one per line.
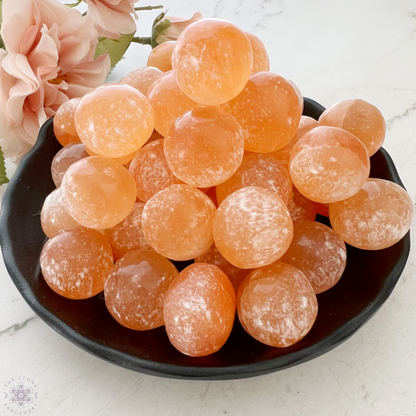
point(177, 222)
point(142, 78)
point(98, 192)
point(128, 235)
point(64, 123)
point(252, 227)
point(168, 102)
point(318, 252)
point(151, 171)
point(261, 61)
point(258, 169)
point(68, 155)
point(376, 217)
point(54, 216)
point(161, 56)
point(212, 61)
point(76, 262)
point(135, 289)
point(204, 147)
point(276, 305)
point(114, 120)
point(269, 110)
point(329, 164)
point(360, 118)
point(199, 310)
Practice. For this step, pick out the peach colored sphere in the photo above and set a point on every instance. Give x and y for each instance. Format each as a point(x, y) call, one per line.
point(329, 164)
point(54, 216)
point(98, 192)
point(168, 102)
point(252, 227)
point(177, 222)
point(114, 120)
point(199, 310)
point(361, 119)
point(124, 160)
point(276, 305)
point(68, 155)
point(64, 123)
point(301, 208)
point(142, 78)
point(150, 171)
point(376, 217)
point(212, 61)
point(258, 170)
point(235, 274)
point(318, 252)
point(269, 110)
point(261, 61)
point(128, 235)
point(161, 56)
point(205, 147)
point(306, 124)
point(135, 289)
point(76, 262)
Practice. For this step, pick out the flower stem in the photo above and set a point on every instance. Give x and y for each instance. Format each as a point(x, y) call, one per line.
point(74, 4)
point(138, 9)
point(143, 41)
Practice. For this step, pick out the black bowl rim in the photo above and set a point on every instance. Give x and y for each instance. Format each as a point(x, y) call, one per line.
point(170, 370)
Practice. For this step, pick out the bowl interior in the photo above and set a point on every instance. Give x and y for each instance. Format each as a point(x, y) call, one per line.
point(368, 280)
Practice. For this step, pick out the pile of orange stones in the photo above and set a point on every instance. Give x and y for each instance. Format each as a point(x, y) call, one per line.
point(205, 155)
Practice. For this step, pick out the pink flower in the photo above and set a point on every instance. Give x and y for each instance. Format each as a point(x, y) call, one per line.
point(113, 17)
point(49, 59)
point(177, 26)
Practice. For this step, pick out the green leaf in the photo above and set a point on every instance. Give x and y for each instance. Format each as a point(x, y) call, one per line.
point(115, 47)
point(3, 176)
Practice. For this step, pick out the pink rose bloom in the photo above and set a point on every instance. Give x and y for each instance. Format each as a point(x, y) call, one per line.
point(113, 17)
point(178, 25)
point(49, 59)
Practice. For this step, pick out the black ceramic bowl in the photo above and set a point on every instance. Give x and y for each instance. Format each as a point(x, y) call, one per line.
point(368, 280)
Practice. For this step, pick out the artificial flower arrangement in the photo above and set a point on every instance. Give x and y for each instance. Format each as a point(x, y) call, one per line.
point(51, 52)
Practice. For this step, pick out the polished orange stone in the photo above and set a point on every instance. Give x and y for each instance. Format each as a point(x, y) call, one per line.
point(199, 310)
point(261, 61)
point(212, 61)
point(76, 262)
point(301, 208)
point(258, 169)
point(204, 147)
point(360, 118)
point(135, 289)
point(235, 274)
point(276, 305)
point(168, 102)
point(306, 124)
point(177, 222)
point(98, 192)
point(329, 164)
point(142, 78)
point(150, 170)
point(54, 216)
point(161, 56)
point(318, 252)
point(269, 110)
point(124, 160)
point(68, 155)
point(114, 120)
point(128, 235)
point(322, 209)
point(376, 217)
point(64, 124)
point(252, 227)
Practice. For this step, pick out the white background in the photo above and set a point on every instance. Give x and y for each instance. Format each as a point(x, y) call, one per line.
point(332, 50)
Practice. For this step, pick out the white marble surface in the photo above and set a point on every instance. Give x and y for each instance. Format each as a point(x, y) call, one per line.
point(332, 50)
